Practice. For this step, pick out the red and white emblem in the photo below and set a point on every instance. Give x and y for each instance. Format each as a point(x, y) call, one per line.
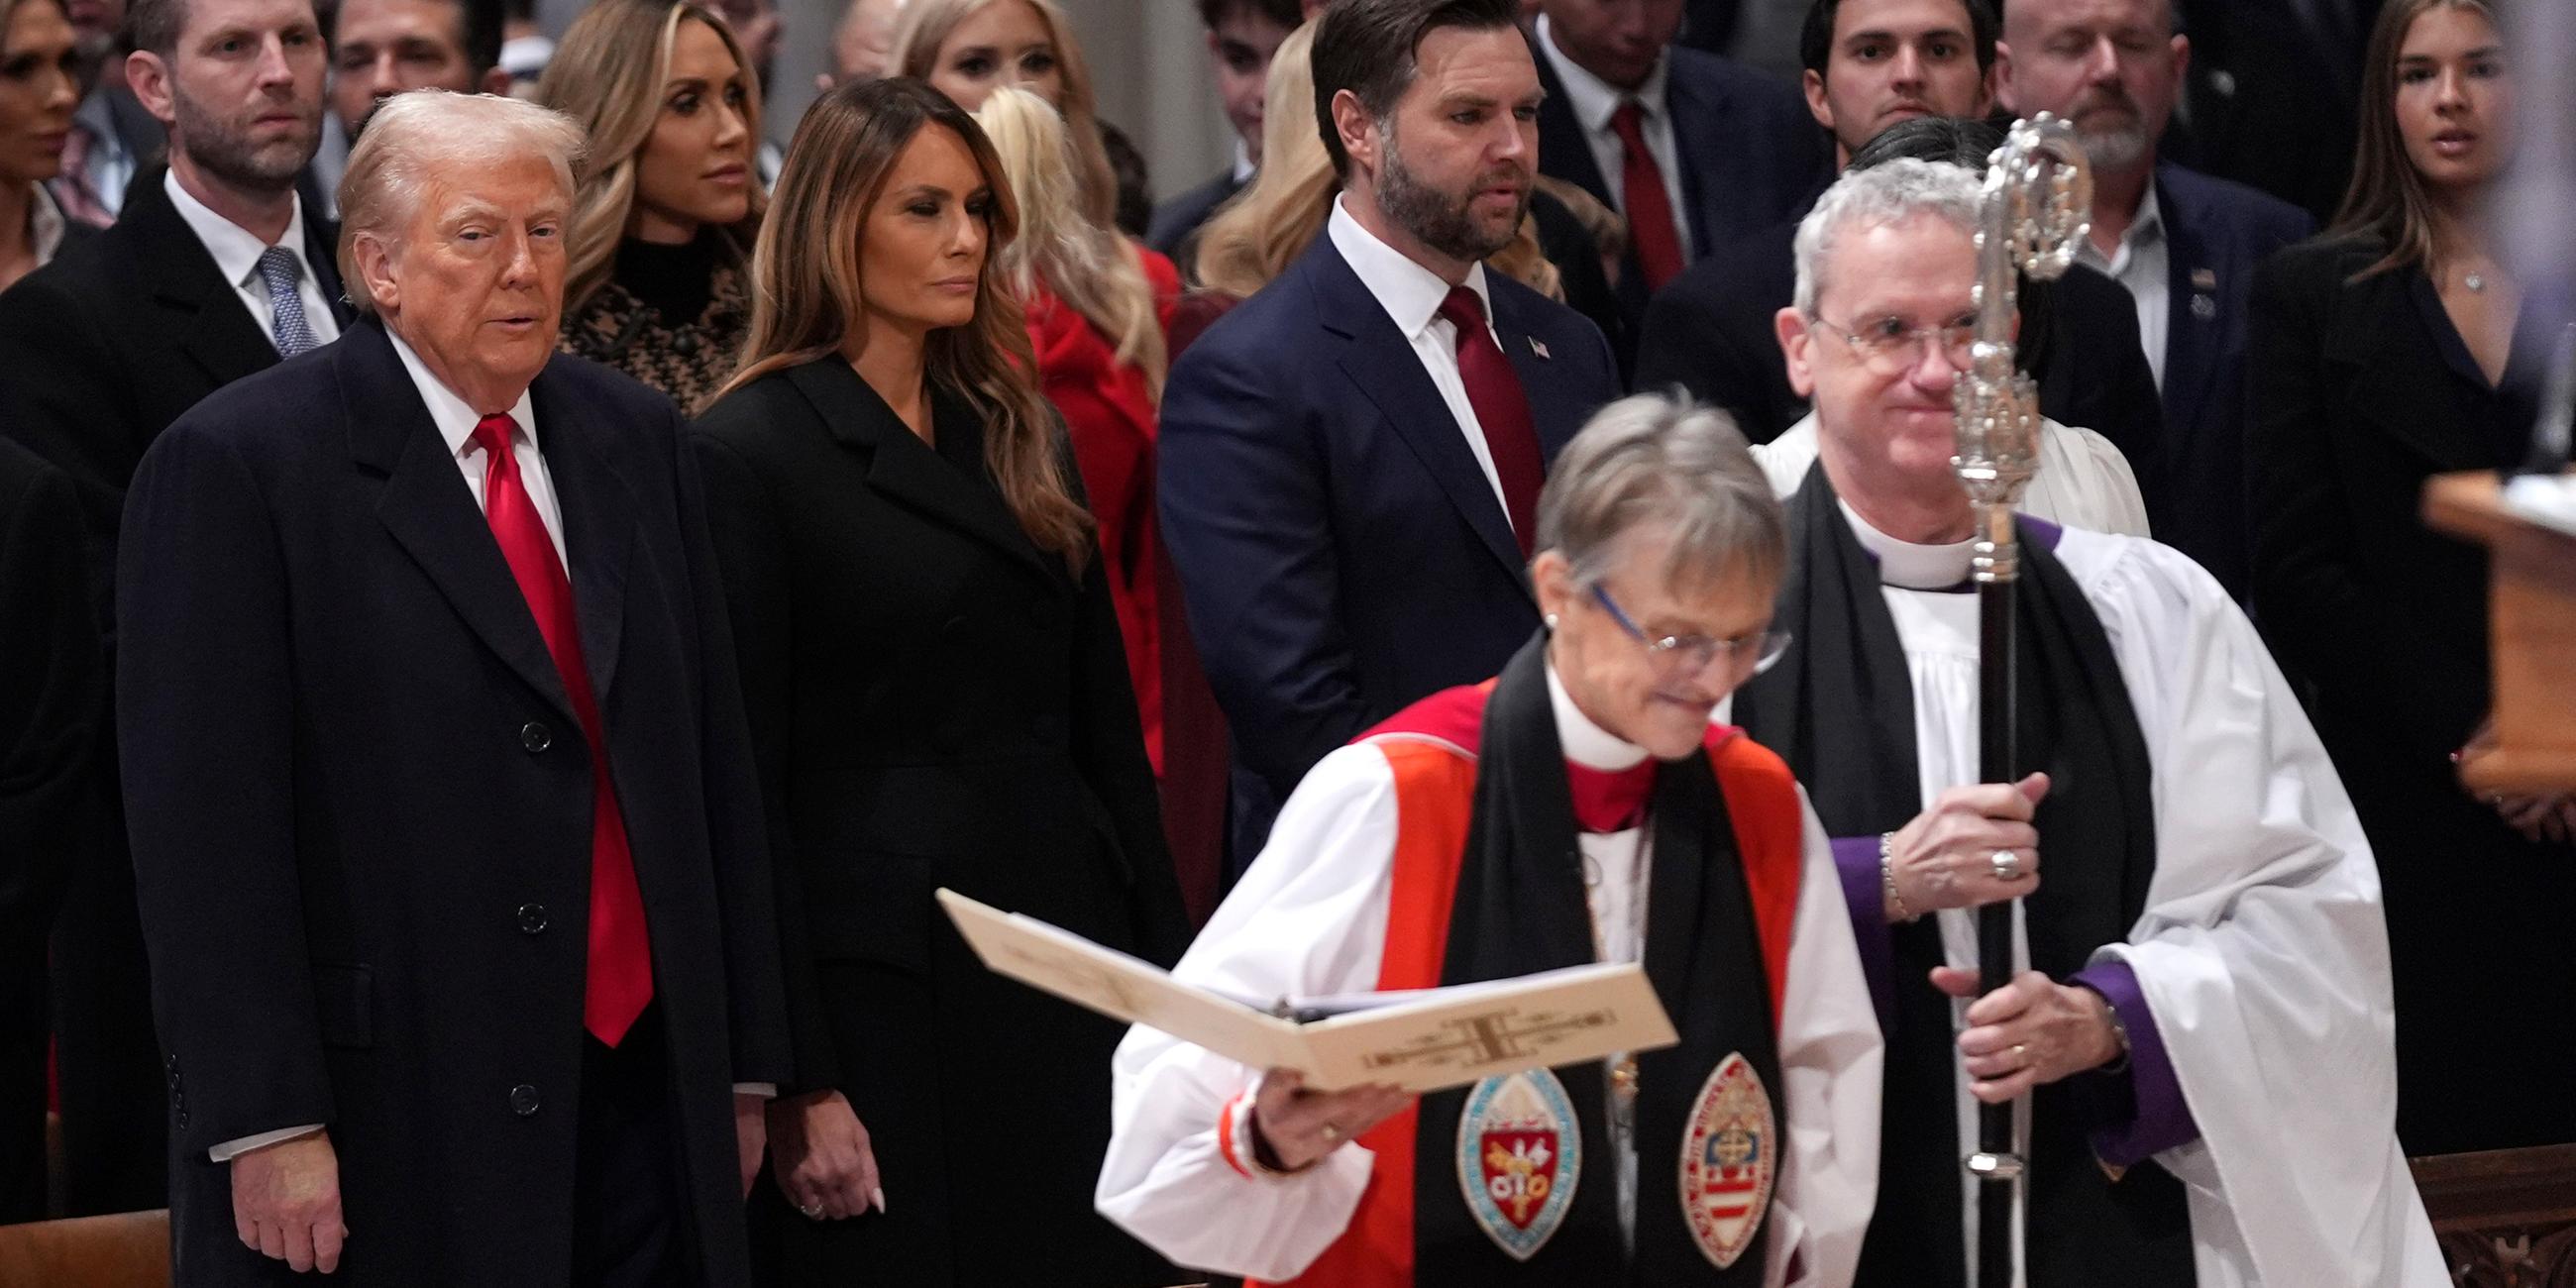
point(1730, 1153)
point(1520, 1152)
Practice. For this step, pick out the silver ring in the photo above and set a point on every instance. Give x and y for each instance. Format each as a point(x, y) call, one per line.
point(2007, 866)
point(812, 1211)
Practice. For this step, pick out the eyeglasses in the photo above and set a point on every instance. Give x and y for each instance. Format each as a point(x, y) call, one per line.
point(1888, 346)
point(1684, 657)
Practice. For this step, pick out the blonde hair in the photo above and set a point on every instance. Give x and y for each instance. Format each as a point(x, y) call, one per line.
point(1256, 236)
point(412, 137)
point(607, 75)
point(2388, 201)
point(809, 300)
point(1089, 267)
point(925, 25)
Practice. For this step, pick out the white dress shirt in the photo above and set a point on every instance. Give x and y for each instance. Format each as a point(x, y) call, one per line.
point(456, 419)
point(2141, 265)
point(1411, 296)
point(109, 165)
point(1595, 101)
point(237, 254)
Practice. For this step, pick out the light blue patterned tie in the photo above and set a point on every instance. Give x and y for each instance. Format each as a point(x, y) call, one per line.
point(278, 269)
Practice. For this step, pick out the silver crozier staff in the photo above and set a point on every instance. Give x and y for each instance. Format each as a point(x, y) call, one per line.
point(2037, 191)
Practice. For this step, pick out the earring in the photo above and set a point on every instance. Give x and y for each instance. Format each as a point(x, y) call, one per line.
point(1551, 621)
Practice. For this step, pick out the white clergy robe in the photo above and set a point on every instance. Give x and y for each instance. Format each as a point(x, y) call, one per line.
point(2083, 480)
point(2261, 955)
point(1310, 919)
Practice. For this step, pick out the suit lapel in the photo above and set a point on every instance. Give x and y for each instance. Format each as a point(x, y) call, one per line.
point(2193, 316)
point(2399, 381)
point(1555, 415)
point(599, 521)
point(430, 511)
point(321, 250)
point(1705, 171)
point(908, 471)
point(206, 316)
point(1378, 361)
point(1562, 148)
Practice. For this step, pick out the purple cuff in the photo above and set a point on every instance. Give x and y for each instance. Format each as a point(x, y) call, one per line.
point(2158, 1119)
point(1856, 858)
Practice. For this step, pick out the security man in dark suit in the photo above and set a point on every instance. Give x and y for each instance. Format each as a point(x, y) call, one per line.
point(212, 271)
point(1352, 458)
point(444, 818)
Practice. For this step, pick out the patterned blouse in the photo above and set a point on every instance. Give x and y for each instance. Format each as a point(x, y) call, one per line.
point(628, 323)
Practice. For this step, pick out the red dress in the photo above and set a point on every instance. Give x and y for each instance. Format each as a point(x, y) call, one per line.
point(1111, 416)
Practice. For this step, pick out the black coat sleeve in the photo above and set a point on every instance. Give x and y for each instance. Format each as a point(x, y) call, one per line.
point(759, 590)
point(205, 728)
point(737, 816)
point(53, 699)
point(75, 409)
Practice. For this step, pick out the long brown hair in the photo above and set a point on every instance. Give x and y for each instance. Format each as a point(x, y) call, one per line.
point(925, 25)
point(2388, 201)
point(808, 298)
point(608, 75)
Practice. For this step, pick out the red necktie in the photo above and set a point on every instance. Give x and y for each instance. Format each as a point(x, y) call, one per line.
point(619, 980)
point(1610, 800)
point(1502, 411)
point(1645, 201)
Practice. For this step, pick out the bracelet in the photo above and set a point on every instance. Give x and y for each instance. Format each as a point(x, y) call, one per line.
point(2119, 1031)
point(1887, 878)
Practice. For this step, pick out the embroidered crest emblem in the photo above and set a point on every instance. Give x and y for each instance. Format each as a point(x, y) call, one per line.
point(1729, 1157)
point(1520, 1152)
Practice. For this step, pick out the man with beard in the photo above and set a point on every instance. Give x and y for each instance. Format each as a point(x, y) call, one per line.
point(2184, 243)
point(380, 48)
point(1352, 458)
point(213, 271)
point(1873, 65)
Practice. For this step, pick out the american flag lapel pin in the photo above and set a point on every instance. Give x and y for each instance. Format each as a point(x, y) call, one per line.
point(1537, 348)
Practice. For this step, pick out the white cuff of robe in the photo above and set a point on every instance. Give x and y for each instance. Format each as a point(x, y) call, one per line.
point(226, 1152)
point(764, 1090)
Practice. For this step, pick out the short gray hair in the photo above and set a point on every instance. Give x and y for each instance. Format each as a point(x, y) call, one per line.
point(414, 135)
point(1891, 193)
point(1665, 465)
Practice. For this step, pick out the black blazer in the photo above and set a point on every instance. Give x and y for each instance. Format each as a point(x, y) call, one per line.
point(121, 333)
point(1750, 155)
point(2216, 232)
point(361, 808)
point(1177, 219)
point(1342, 552)
point(935, 702)
point(2360, 392)
point(1711, 332)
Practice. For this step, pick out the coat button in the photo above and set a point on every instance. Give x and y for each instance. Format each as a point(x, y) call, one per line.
point(523, 1100)
point(535, 736)
point(532, 918)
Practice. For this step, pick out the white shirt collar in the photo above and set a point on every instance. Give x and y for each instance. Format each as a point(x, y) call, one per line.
point(1243, 166)
point(1910, 565)
point(2147, 229)
point(235, 250)
point(1585, 742)
point(1594, 99)
point(455, 417)
point(1410, 293)
point(44, 224)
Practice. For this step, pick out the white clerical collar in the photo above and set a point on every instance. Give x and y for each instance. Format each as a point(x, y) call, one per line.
point(1907, 564)
point(1595, 100)
point(235, 250)
point(455, 417)
point(1410, 293)
point(1586, 743)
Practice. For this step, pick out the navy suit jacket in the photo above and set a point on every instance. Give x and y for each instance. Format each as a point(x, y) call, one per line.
point(1340, 550)
point(2216, 232)
point(1750, 155)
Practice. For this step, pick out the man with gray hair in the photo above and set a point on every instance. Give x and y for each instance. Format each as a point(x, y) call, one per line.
point(1578, 808)
point(2209, 930)
point(441, 799)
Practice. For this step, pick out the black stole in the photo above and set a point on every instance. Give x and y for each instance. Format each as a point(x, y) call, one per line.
point(1839, 707)
point(1520, 908)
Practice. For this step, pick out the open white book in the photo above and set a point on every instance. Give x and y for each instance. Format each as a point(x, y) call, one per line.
point(1421, 1041)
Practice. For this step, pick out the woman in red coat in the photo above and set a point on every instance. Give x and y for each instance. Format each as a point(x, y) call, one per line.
point(1097, 303)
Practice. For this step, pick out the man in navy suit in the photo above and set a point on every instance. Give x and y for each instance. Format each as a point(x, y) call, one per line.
point(443, 812)
point(1693, 150)
point(2184, 243)
point(1351, 458)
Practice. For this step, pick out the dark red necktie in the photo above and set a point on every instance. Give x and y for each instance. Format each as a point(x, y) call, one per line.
point(1502, 411)
point(1645, 200)
point(1610, 800)
point(619, 980)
